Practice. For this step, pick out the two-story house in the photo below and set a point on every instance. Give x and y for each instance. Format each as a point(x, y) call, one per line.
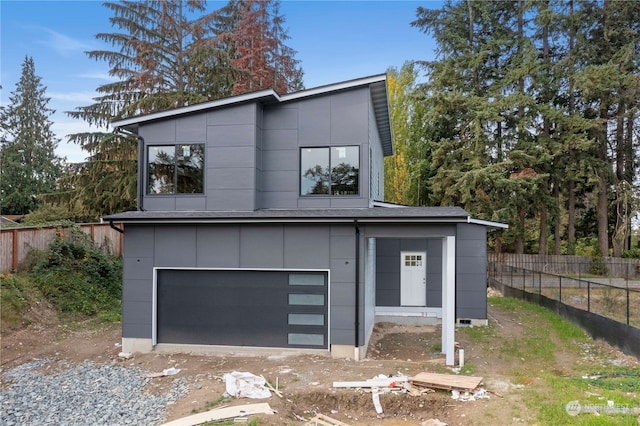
point(261, 224)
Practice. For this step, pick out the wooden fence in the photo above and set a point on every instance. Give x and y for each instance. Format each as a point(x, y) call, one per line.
point(16, 243)
point(567, 265)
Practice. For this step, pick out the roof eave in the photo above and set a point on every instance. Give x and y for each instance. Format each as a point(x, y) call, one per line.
point(133, 122)
point(262, 95)
point(371, 220)
point(488, 223)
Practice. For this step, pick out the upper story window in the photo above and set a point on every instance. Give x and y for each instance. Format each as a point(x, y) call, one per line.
point(175, 169)
point(330, 170)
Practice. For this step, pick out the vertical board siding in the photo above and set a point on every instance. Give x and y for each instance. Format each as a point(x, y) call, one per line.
point(16, 243)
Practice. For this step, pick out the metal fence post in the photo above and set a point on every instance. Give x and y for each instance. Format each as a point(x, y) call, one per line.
point(539, 282)
point(560, 288)
point(588, 296)
point(579, 279)
point(627, 302)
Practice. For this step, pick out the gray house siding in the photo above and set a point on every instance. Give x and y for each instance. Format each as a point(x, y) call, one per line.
point(388, 269)
point(471, 271)
point(376, 160)
point(137, 286)
point(232, 139)
point(335, 119)
point(252, 152)
point(297, 247)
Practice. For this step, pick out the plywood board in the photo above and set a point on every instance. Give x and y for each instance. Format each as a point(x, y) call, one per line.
point(446, 381)
point(222, 413)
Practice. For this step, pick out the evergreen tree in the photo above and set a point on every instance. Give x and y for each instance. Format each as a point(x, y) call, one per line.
point(475, 106)
point(29, 164)
point(532, 111)
point(256, 38)
point(162, 59)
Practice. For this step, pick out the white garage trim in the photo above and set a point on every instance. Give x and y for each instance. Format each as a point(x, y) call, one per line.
point(154, 308)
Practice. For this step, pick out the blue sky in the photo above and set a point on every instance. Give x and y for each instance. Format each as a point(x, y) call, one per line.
point(335, 41)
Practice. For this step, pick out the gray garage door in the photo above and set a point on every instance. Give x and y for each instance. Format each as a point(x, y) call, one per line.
point(242, 308)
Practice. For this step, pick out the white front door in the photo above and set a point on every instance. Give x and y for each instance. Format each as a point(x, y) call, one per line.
point(413, 278)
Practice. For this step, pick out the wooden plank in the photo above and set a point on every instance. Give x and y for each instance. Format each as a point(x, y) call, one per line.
point(322, 420)
point(446, 381)
point(372, 383)
point(222, 413)
point(277, 392)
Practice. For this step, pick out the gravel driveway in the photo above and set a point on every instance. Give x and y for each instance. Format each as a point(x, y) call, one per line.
point(50, 392)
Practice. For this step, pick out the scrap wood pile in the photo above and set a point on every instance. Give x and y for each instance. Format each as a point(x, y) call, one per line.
point(463, 388)
point(417, 385)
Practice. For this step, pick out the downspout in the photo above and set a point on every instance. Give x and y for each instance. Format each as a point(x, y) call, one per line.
point(357, 315)
point(112, 226)
point(140, 158)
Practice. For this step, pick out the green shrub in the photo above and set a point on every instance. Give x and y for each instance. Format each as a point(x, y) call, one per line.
point(598, 267)
point(77, 276)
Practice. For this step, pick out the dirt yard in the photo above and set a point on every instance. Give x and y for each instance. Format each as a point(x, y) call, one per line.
point(306, 381)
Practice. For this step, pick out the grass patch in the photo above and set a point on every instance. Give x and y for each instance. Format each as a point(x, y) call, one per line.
point(17, 293)
point(531, 354)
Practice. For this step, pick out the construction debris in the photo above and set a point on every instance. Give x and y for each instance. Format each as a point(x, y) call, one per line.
point(446, 381)
point(276, 391)
point(166, 372)
point(246, 385)
point(322, 420)
point(239, 411)
point(377, 382)
point(376, 401)
point(466, 396)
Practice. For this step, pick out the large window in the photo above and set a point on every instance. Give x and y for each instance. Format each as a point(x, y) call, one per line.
point(329, 170)
point(175, 169)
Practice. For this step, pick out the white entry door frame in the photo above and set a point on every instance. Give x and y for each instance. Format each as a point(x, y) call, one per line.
point(413, 278)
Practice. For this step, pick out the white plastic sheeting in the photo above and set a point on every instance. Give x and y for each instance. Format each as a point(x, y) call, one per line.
point(246, 385)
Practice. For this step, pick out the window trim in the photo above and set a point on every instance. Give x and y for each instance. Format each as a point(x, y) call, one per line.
point(330, 194)
point(175, 169)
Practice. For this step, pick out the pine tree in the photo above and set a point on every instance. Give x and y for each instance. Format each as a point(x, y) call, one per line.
point(29, 164)
point(473, 109)
point(161, 59)
point(258, 38)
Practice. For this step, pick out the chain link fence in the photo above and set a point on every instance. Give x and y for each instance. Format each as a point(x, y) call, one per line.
point(611, 297)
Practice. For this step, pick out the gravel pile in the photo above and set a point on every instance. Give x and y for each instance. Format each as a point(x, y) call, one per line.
point(50, 392)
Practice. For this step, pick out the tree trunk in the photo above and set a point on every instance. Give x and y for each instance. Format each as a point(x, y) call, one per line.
point(519, 243)
point(542, 241)
point(602, 210)
point(571, 219)
point(556, 222)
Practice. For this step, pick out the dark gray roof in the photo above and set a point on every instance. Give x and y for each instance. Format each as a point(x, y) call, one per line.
point(374, 214)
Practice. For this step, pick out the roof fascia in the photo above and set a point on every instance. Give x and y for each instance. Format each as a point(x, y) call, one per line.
point(392, 220)
point(334, 87)
point(487, 223)
point(247, 97)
